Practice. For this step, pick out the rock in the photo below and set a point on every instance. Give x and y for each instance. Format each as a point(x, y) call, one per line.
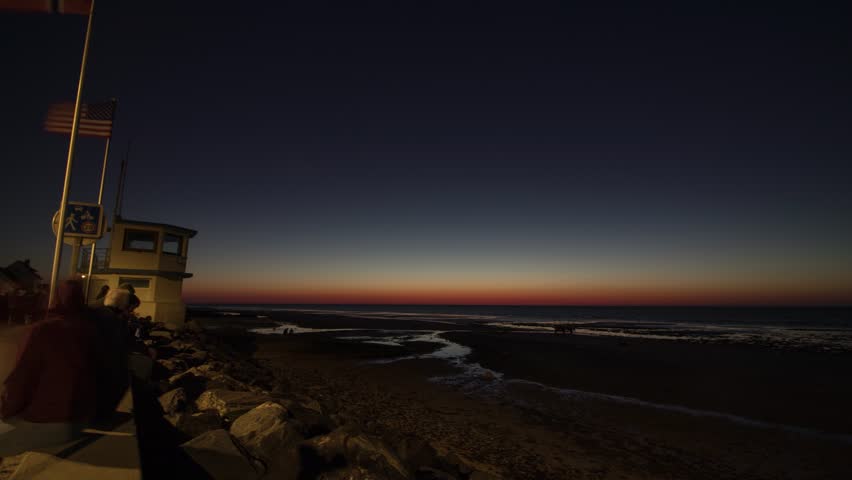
point(466, 466)
point(358, 449)
point(206, 377)
point(173, 365)
point(173, 401)
point(477, 475)
point(193, 326)
point(416, 452)
point(352, 472)
point(173, 327)
point(198, 357)
point(8, 465)
point(309, 404)
point(193, 384)
point(228, 403)
point(308, 421)
point(217, 454)
point(160, 334)
point(181, 346)
point(429, 473)
point(249, 373)
point(372, 451)
point(195, 424)
point(266, 433)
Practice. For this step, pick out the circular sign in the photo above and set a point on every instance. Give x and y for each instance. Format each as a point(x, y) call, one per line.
point(76, 240)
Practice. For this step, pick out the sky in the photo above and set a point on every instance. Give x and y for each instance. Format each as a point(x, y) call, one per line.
point(456, 152)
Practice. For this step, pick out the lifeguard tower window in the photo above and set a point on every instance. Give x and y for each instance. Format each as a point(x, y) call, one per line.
point(140, 240)
point(135, 282)
point(172, 244)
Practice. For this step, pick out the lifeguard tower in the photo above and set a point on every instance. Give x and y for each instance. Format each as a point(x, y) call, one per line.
point(152, 258)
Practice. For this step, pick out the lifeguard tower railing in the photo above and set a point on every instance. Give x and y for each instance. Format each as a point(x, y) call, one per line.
point(101, 259)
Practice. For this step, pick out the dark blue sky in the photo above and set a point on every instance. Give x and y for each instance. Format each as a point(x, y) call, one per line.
point(452, 148)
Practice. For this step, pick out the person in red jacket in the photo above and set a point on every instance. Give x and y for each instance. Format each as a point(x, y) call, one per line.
point(50, 395)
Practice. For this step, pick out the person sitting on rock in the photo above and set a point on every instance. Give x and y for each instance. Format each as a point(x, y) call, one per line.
point(112, 352)
point(50, 394)
point(101, 296)
point(123, 302)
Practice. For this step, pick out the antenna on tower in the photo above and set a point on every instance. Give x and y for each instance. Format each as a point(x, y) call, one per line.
point(119, 195)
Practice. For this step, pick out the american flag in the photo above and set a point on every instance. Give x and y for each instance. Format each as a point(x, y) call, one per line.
point(95, 118)
point(73, 7)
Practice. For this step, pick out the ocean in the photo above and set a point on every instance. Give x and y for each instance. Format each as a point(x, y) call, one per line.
point(812, 328)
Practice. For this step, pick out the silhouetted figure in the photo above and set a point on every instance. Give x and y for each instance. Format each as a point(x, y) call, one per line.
point(50, 394)
point(128, 287)
point(4, 308)
point(112, 350)
point(39, 310)
point(140, 359)
point(102, 293)
point(17, 307)
point(563, 328)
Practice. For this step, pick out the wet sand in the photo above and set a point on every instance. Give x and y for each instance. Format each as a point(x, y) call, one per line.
point(530, 432)
point(797, 388)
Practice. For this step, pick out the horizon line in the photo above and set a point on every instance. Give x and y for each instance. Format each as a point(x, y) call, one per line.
point(189, 304)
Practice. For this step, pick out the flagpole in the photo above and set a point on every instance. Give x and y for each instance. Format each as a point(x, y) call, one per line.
point(100, 202)
point(60, 230)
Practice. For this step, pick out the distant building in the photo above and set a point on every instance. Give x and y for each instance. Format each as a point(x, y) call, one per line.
point(19, 275)
point(152, 258)
point(7, 283)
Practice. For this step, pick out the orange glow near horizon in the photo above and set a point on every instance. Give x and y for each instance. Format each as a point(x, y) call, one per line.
point(602, 296)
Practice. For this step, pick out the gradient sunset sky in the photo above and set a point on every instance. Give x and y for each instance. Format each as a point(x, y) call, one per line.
point(455, 152)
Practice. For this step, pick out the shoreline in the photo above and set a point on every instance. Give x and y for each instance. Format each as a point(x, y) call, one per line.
point(515, 394)
point(790, 389)
point(569, 438)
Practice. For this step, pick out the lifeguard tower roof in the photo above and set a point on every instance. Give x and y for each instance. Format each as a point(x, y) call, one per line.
point(185, 231)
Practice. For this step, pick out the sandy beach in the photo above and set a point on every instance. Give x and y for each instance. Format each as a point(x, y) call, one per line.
point(721, 403)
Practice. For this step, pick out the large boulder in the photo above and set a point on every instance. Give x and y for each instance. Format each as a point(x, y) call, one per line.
point(229, 403)
point(194, 385)
point(173, 365)
point(208, 377)
point(466, 466)
point(180, 346)
point(217, 454)
point(160, 335)
point(358, 449)
point(429, 473)
point(478, 475)
point(308, 417)
point(268, 435)
point(195, 358)
point(192, 326)
point(350, 472)
point(416, 452)
point(173, 401)
point(195, 424)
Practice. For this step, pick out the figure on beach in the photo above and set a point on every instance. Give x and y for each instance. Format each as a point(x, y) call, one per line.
point(50, 394)
point(563, 328)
